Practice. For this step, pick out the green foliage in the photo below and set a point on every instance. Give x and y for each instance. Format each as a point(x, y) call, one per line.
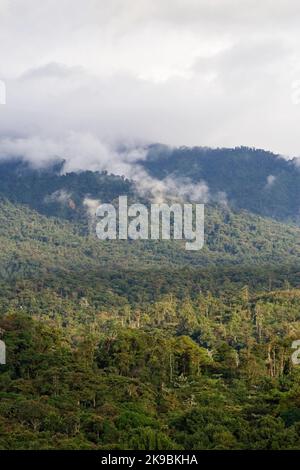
point(122, 345)
point(32, 244)
point(241, 173)
point(115, 382)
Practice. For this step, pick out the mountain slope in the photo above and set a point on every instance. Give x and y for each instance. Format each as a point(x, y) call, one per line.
point(32, 243)
point(256, 180)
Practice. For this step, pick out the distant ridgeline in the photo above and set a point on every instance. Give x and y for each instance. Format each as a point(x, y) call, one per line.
point(255, 180)
point(52, 193)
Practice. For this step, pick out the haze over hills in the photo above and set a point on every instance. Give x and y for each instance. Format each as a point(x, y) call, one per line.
point(48, 219)
point(242, 178)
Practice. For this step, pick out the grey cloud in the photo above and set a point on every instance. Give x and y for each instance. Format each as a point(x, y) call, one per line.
point(60, 196)
point(52, 70)
point(84, 77)
point(271, 179)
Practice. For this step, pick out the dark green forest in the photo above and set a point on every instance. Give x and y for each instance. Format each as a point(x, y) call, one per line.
point(206, 372)
point(142, 344)
point(242, 173)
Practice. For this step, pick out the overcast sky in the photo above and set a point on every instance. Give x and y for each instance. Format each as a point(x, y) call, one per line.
point(83, 75)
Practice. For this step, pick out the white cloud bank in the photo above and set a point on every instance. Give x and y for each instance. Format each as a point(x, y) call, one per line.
point(85, 76)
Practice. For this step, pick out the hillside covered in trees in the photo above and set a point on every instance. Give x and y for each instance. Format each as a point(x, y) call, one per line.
point(245, 178)
point(142, 344)
point(251, 179)
point(202, 373)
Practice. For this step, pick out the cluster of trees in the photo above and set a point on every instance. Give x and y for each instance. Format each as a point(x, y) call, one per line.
point(32, 244)
point(211, 372)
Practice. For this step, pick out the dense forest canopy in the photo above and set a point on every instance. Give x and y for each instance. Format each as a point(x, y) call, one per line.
point(141, 344)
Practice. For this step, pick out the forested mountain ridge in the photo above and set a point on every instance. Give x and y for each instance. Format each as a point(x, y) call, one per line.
point(52, 193)
point(251, 179)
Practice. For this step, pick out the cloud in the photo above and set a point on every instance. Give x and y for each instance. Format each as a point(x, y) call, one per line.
point(81, 151)
point(169, 188)
point(91, 206)
point(270, 181)
point(36, 150)
point(61, 196)
point(180, 72)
